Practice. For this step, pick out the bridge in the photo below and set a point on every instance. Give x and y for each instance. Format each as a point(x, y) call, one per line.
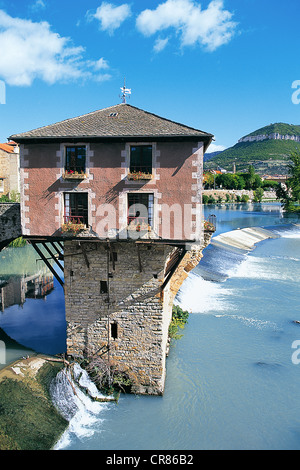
point(10, 223)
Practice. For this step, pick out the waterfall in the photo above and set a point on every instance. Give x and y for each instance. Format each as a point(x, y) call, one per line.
point(78, 400)
point(227, 256)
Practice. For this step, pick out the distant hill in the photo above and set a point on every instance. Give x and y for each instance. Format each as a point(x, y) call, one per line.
point(268, 149)
point(209, 156)
point(277, 128)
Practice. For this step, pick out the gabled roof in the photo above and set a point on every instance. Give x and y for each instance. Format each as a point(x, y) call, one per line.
point(121, 121)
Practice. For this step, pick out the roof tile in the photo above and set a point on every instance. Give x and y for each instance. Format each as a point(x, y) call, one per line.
point(122, 120)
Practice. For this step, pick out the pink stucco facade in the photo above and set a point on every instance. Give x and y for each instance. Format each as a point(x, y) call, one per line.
point(174, 190)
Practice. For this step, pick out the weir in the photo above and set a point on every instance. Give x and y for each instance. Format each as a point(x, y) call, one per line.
point(243, 239)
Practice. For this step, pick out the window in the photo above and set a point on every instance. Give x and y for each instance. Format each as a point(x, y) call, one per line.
point(76, 208)
point(140, 209)
point(1, 185)
point(103, 287)
point(114, 330)
point(113, 256)
point(75, 160)
point(141, 159)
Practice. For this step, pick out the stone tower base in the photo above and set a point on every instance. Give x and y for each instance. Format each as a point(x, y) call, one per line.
point(119, 298)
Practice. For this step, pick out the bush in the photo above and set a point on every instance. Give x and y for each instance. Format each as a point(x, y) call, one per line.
point(258, 194)
point(179, 319)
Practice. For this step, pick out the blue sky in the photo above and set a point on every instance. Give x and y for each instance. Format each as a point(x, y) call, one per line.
point(223, 66)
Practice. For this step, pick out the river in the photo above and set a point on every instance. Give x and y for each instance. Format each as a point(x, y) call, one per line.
point(231, 380)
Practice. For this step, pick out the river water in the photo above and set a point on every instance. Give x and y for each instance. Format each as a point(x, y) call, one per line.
point(232, 379)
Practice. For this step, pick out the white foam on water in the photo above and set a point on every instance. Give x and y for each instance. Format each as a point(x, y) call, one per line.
point(75, 400)
point(293, 232)
point(251, 322)
point(200, 296)
point(260, 268)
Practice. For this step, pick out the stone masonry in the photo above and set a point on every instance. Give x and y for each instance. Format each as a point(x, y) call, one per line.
point(121, 305)
point(10, 223)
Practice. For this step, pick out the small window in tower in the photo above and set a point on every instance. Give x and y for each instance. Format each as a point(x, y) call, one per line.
point(114, 330)
point(103, 287)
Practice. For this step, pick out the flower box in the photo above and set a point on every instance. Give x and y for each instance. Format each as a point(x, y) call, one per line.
point(74, 175)
point(71, 228)
point(139, 175)
point(209, 227)
point(139, 227)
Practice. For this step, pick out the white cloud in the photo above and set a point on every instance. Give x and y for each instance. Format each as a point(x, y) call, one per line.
point(215, 148)
point(100, 64)
point(38, 4)
point(160, 44)
point(32, 51)
point(211, 27)
point(110, 16)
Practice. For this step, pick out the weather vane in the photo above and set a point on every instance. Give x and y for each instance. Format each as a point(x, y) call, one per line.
point(125, 92)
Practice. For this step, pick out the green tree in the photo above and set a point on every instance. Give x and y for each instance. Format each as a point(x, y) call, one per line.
point(245, 198)
point(289, 193)
point(252, 180)
point(258, 194)
point(208, 180)
point(295, 176)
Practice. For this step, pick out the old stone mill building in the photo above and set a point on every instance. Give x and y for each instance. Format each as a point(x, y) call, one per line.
point(120, 190)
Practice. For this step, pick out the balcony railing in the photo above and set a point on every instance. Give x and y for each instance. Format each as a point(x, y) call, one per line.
point(74, 219)
point(73, 224)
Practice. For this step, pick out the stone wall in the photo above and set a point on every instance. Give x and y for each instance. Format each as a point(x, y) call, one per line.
point(216, 193)
point(10, 222)
point(133, 316)
point(9, 172)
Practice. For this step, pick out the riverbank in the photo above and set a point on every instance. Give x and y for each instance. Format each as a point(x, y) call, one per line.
point(231, 195)
point(28, 418)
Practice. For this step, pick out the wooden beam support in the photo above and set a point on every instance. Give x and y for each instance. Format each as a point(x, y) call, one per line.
point(111, 255)
point(53, 256)
point(59, 243)
point(139, 258)
point(172, 271)
point(58, 250)
point(41, 254)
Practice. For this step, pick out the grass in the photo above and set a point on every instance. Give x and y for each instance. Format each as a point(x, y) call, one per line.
point(28, 419)
point(18, 243)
